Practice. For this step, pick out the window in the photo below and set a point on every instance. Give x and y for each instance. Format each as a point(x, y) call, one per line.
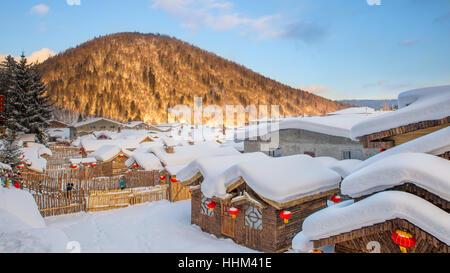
point(275, 152)
point(253, 218)
point(92, 126)
point(112, 126)
point(356, 154)
point(205, 209)
point(102, 127)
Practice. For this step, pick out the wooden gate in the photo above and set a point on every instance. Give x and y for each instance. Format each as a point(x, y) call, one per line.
point(228, 226)
point(179, 192)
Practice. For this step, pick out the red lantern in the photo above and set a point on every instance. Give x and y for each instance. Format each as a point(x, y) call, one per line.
point(285, 215)
point(382, 150)
point(403, 239)
point(17, 185)
point(211, 205)
point(162, 177)
point(82, 148)
point(233, 211)
point(21, 166)
point(136, 165)
point(79, 153)
point(173, 179)
point(121, 155)
point(94, 165)
point(336, 198)
point(74, 166)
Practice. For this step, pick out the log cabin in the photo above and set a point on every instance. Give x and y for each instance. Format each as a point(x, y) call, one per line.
point(262, 204)
point(421, 112)
point(113, 155)
point(385, 222)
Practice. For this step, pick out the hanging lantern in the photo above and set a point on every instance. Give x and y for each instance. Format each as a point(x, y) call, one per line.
point(94, 165)
point(336, 198)
point(121, 155)
point(23, 156)
point(285, 215)
point(162, 177)
point(136, 165)
point(211, 205)
point(73, 166)
point(82, 148)
point(21, 166)
point(382, 150)
point(316, 251)
point(173, 179)
point(17, 185)
point(233, 211)
point(403, 239)
point(80, 153)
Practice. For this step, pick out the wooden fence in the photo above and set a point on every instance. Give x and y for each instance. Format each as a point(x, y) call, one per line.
point(58, 203)
point(112, 199)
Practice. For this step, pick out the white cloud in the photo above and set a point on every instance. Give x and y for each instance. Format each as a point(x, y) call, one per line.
point(316, 89)
point(218, 15)
point(73, 2)
point(40, 9)
point(35, 57)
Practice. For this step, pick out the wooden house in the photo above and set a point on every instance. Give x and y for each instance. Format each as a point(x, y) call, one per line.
point(421, 112)
point(57, 124)
point(420, 174)
point(113, 155)
point(386, 222)
point(262, 204)
point(26, 139)
point(94, 124)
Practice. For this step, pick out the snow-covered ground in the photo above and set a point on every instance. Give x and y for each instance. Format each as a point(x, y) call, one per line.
point(150, 227)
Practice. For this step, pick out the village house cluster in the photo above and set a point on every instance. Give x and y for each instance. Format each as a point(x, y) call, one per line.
point(356, 180)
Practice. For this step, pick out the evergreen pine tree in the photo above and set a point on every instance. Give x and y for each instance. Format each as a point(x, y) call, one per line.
point(10, 153)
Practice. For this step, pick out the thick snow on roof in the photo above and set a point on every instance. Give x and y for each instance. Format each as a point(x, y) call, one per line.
point(93, 145)
point(378, 208)
point(334, 125)
point(212, 166)
point(92, 120)
point(147, 161)
point(435, 143)
point(32, 158)
point(85, 160)
point(354, 110)
point(416, 105)
point(344, 167)
point(107, 152)
point(429, 172)
point(280, 179)
point(5, 166)
point(40, 148)
point(63, 133)
point(185, 154)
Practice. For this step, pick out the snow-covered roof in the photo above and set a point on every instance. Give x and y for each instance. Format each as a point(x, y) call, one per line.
point(125, 143)
point(174, 169)
point(378, 208)
point(5, 166)
point(354, 110)
point(147, 161)
point(435, 143)
point(40, 148)
point(85, 160)
point(280, 179)
point(135, 123)
point(185, 154)
point(92, 120)
point(334, 125)
point(33, 159)
point(344, 167)
point(107, 152)
point(215, 165)
point(26, 137)
point(432, 103)
point(428, 172)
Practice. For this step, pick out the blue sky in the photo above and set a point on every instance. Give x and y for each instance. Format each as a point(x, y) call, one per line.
point(335, 48)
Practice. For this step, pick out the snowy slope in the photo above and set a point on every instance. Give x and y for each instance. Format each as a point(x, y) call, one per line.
point(429, 172)
point(347, 216)
point(416, 105)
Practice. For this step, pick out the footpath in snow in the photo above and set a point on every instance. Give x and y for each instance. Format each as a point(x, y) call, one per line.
point(150, 227)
